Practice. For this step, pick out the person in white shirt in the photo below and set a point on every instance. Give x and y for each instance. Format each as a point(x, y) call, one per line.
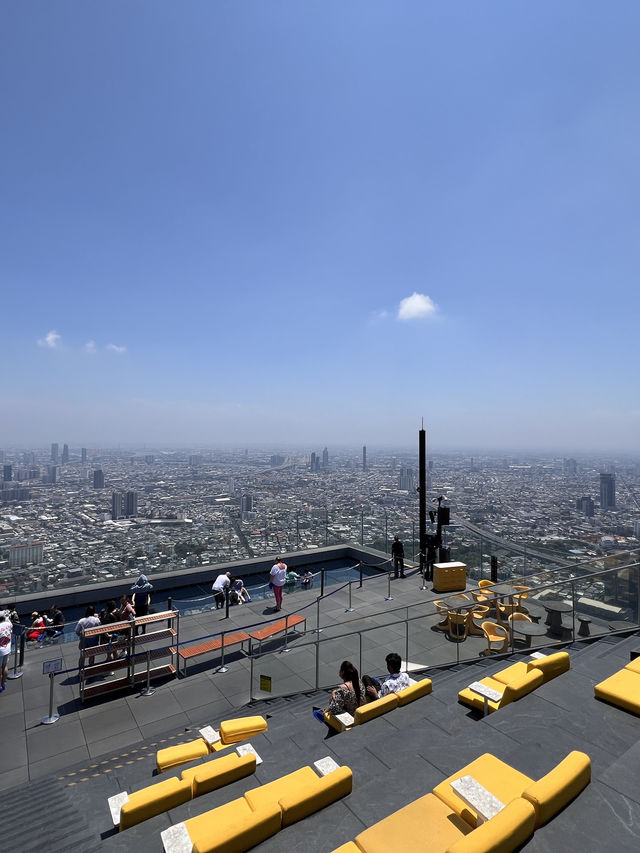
point(396, 680)
point(278, 577)
point(219, 586)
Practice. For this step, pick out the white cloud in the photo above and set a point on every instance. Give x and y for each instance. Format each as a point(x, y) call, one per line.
point(416, 306)
point(90, 346)
point(51, 340)
point(116, 348)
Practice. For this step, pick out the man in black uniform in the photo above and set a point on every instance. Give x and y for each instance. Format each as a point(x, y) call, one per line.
point(397, 552)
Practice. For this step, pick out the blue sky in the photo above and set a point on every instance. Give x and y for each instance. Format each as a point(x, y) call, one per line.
point(212, 212)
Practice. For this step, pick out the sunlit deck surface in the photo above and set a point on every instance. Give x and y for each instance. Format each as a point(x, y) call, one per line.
point(56, 779)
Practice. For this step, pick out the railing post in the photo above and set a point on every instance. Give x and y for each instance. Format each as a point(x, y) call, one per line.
point(148, 690)
point(573, 611)
point(349, 609)
point(389, 596)
point(222, 667)
point(169, 607)
point(251, 678)
point(317, 662)
point(406, 642)
point(321, 582)
point(360, 653)
point(360, 571)
point(318, 628)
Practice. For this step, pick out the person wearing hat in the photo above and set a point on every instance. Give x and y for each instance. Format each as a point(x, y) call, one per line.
point(140, 597)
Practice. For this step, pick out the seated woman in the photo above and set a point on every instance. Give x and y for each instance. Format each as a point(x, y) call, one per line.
point(37, 629)
point(348, 696)
point(237, 585)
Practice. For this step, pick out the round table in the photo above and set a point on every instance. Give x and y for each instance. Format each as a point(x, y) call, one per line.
point(621, 625)
point(528, 629)
point(460, 604)
point(555, 609)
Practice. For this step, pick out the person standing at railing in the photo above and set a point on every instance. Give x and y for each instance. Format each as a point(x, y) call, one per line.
point(220, 585)
point(397, 552)
point(278, 577)
point(6, 629)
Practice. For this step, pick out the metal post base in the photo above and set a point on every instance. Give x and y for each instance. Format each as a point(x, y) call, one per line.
point(147, 691)
point(222, 669)
point(13, 675)
point(388, 598)
point(52, 719)
point(349, 610)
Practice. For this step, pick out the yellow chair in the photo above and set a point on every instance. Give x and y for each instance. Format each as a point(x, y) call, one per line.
point(497, 638)
point(524, 593)
point(477, 616)
point(516, 616)
point(485, 585)
point(458, 625)
point(443, 610)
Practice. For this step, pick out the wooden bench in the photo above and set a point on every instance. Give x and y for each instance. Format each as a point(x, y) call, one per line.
point(239, 637)
point(276, 628)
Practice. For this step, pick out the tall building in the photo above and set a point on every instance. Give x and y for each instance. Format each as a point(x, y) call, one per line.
point(570, 467)
point(276, 460)
point(406, 481)
point(325, 458)
point(315, 463)
point(364, 457)
point(52, 473)
point(65, 453)
point(586, 505)
point(607, 491)
point(131, 504)
point(7, 473)
point(54, 453)
point(83, 456)
point(246, 503)
point(116, 505)
point(98, 479)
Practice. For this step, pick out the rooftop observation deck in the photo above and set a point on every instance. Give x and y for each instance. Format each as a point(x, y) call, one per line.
point(56, 778)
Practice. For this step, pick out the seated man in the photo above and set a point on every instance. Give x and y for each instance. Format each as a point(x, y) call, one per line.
point(56, 626)
point(396, 680)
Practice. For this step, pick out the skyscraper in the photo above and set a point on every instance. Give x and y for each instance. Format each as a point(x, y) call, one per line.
point(83, 456)
point(7, 474)
point(65, 453)
point(364, 457)
point(131, 504)
point(98, 479)
point(246, 503)
point(585, 504)
point(54, 453)
point(405, 480)
point(607, 491)
point(116, 505)
point(325, 458)
point(52, 473)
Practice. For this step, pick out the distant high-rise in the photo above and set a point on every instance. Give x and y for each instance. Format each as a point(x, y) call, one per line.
point(607, 491)
point(364, 457)
point(54, 453)
point(83, 456)
point(116, 505)
point(7, 473)
point(131, 504)
point(1, 455)
point(194, 460)
point(276, 460)
point(315, 463)
point(406, 481)
point(570, 467)
point(98, 479)
point(586, 505)
point(246, 503)
point(325, 458)
point(65, 453)
point(52, 473)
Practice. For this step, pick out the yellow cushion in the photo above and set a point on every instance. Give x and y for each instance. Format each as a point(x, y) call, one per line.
point(313, 796)
point(552, 665)
point(233, 827)
point(182, 753)
point(518, 689)
point(414, 691)
point(243, 728)
point(349, 847)
point(282, 787)
point(621, 689)
point(153, 801)
point(475, 700)
point(551, 793)
point(505, 782)
point(511, 673)
point(634, 665)
point(426, 825)
point(505, 832)
point(335, 723)
point(375, 709)
point(219, 772)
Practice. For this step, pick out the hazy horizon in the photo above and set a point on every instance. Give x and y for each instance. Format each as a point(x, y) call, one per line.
point(290, 223)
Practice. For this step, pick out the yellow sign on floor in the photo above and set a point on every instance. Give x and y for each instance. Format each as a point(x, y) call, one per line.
point(265, 683)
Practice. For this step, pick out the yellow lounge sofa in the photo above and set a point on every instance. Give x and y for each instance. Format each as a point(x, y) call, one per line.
point(242, 823)
point(622, 688)
point(231, 731)
point(441, 822)
point(165, 795)
point(516, 681)
point(383, 705)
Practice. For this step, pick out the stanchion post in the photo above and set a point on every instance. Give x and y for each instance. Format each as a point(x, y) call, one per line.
point(52, 718)
point(169, 607)
point(321, 582)
point(406, 642)
point(148, 690)
point(286, 632)
point(317, 662)
point(318, 628)
point(251, 678)
point(222, 667)
point(349, 609)
point(360, 568)
point(15, 673)
point(389, 596)
point(226, 600)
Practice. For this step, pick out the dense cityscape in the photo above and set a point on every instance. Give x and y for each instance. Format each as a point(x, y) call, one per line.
point(73, 516)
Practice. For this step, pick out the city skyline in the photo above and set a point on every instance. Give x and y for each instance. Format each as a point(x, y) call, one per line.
point(303, 226)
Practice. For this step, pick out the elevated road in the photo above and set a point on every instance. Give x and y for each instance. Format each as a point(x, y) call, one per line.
point(525, 550)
